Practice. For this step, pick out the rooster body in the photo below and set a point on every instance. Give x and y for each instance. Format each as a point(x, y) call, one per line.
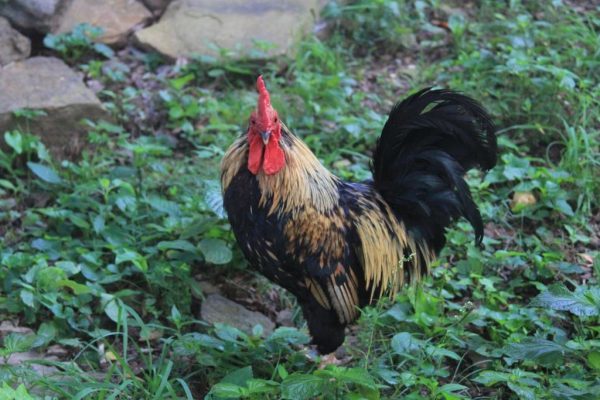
point(339, 245)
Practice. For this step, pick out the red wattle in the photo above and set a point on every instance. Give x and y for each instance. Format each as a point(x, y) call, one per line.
point(274, 158)
point(255, 154)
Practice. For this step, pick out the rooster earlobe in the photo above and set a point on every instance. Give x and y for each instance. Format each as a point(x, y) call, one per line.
point(274, 158)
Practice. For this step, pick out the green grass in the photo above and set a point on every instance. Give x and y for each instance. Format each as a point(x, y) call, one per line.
point(99, 255)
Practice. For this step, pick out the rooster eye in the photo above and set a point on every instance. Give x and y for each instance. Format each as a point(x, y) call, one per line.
point(275, 119)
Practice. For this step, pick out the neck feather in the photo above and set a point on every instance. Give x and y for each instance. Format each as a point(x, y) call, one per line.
point(303, 181)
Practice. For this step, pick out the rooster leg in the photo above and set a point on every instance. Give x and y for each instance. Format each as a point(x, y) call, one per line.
point(329, 359)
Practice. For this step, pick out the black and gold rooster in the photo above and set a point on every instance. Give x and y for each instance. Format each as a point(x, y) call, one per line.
point(337, 245)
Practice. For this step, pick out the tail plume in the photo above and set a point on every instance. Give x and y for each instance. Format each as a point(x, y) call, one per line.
point(430, 140)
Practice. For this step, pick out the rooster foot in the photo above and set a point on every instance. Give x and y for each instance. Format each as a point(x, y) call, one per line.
point(330, 359)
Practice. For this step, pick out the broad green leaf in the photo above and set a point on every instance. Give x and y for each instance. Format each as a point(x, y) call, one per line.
point(542, 351)
point(134, 257)
point(288, 335)
point(299, 386)
point(215, 251)
point(44, 172)
point(182, 245)
point(14, 140)
point(45, 334)
point(489, 378)
point(227, 391)
point(77, 288)
point(238, 377)
point(358, 376)
point(164, 205)
point(453, 387)
point(524, 393)
point(558, 297)
point(439, 352)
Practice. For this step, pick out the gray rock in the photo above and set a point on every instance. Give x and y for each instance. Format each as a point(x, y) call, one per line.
point(218, 309)
point(49, 85)
point(13, 45)
point(31, 357)
point(200, 27)
point(118, 17)
point(37, 15)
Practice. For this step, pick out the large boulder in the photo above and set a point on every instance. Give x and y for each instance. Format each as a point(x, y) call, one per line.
point(218, 309)
point(200, 27)
point(13, 45)
point(47, 84)
point(37, 15)
point(118, 18)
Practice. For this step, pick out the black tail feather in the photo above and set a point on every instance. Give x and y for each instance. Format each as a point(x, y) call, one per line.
point(428, 143)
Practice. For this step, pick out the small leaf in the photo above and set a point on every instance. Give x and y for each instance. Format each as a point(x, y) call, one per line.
point(103, 49)
point(114, 310)
point(27, 297)
point(134, 257)
point(214, 200)
point(43, 172)
point(594, 360)
point(45, 334)
point(403, 343)
point(180, 82)
point(77, 288)
point(98, 223)
point(215, 251)
point(182, 245)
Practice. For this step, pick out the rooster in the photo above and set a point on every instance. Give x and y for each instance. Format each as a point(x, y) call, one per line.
point(336, 245)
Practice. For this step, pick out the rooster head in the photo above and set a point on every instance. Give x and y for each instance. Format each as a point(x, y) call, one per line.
point(264, 134)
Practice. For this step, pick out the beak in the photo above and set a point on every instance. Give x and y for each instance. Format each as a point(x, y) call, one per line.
point(265, 136)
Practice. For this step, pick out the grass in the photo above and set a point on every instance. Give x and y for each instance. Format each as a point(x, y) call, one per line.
point(98, 255)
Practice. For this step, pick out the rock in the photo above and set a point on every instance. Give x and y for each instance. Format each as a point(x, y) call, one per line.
point(49, 85)
point(207, 288)
point(117, 17)
point(8, 327)
point(37, 15)
point(31, 357)
point(13, 45)
point(285, 318)
point(157, 6)
point(195, 27)
point(218, 309)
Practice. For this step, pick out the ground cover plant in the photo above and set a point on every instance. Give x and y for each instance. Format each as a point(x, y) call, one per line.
point(104, 259)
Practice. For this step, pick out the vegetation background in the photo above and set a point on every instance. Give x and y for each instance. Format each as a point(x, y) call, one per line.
point(100, 258)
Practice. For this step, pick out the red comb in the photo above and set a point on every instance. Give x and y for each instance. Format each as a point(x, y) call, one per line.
point(264, 101)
